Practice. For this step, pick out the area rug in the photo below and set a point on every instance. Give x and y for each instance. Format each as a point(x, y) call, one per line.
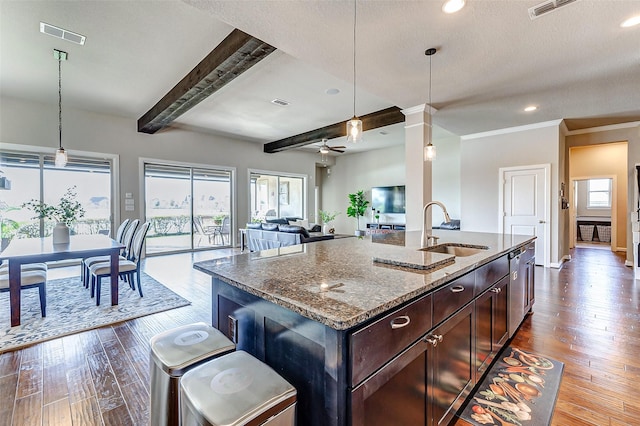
point(521, 388)
point(71, 309)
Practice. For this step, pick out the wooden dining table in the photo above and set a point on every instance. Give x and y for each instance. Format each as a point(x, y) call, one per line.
point(21, 251)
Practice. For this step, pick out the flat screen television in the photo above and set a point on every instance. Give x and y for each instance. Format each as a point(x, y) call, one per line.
point(388, 199)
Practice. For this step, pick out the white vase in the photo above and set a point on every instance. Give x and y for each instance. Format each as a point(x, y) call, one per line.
point(325, 228)
point(60, 233)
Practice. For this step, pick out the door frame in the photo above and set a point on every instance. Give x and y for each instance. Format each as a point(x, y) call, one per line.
point(546, 257)
point(573, 225)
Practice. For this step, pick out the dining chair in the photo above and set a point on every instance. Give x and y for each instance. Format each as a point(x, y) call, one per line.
point(124, 235)
point(4, 267)
point(29, 279)
point(129, 268)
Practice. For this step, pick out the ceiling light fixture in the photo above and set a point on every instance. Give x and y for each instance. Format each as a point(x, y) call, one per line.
point(61, 154)
point(354, 126)
point(452, 6)
point(531, 108)
point(631, 22)
point(429, 149)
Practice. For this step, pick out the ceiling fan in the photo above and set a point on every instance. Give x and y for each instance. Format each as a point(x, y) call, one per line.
point(325, 149)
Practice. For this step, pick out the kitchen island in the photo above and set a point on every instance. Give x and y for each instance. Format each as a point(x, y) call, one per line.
point(371, 330)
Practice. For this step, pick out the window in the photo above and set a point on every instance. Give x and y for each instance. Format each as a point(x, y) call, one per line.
point(33, 176)
point(599, 193)
point(188, 207)
point(274, 196)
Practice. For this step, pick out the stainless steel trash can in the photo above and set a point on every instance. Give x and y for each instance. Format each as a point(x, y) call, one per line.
point(236, 389)
point(174, 352)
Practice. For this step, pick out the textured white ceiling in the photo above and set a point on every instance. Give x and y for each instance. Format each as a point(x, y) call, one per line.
point(492, 61)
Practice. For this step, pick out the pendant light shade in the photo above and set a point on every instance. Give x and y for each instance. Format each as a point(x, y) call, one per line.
point(429, 149)
point(61, 155)
point(354, 126)
point(354, 130)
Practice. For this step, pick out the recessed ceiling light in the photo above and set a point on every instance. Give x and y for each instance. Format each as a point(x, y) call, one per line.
point(631, 22)
point(332, 91)
point(61, 33)
point(452, 6)
point(531, 108)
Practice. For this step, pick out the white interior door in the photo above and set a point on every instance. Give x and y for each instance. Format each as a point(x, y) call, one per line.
point(525, 206)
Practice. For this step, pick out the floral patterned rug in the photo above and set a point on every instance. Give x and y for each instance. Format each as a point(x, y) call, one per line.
point(520, 389)
point(71, 309)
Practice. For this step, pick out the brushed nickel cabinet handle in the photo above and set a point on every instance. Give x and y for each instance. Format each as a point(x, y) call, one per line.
point(399, 322)
point(457, 289)
point(433, 339)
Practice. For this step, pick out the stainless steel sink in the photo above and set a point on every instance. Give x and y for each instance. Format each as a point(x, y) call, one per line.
point(456, 249)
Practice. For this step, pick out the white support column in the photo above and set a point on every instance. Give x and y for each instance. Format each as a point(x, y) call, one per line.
point(418, 172)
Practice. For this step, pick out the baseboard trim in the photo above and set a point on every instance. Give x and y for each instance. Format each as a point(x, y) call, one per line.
point(565, 258)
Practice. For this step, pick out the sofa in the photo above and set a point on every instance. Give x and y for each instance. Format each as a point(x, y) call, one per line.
point(262, 236)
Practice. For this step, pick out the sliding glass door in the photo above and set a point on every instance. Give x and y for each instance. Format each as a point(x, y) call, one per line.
point(277, 196)
point(33, 176)
point(188, 207)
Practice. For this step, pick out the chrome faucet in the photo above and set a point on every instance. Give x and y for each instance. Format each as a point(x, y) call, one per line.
point(428, 240)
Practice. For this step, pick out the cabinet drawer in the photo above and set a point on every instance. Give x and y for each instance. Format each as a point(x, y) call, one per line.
point(529, 252)
point(488, 274)
point(377, 343)
point(452, 297)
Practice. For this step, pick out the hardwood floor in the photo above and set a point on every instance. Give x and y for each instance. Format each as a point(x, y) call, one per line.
point(586, 315)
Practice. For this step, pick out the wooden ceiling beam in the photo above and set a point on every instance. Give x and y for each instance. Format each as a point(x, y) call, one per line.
point(234, 55)
point(382, 118)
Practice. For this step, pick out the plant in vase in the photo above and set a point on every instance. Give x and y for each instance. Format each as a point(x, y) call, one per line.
point(357, 208)
point(327, 218)
point(65, 213)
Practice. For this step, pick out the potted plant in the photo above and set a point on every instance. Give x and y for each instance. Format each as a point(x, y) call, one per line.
point(327, 218)
point(65, 213)
point(357, 208)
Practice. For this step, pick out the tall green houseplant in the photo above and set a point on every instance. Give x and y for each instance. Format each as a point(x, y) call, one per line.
point(357, 207)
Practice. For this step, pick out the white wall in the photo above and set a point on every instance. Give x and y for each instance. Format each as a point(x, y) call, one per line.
point(28, 123)
point(484, 155)
point(386, 167)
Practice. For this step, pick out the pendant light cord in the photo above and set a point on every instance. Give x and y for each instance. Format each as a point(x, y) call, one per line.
point(60, 99)
point(355, 9)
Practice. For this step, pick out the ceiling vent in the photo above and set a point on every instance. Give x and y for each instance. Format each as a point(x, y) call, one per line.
point(547, 6)
point(280, 102)
point(61, 33)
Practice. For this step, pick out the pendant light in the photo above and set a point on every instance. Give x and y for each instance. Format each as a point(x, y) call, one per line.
point(61, 154)
point(354, 126)
point(429, 149)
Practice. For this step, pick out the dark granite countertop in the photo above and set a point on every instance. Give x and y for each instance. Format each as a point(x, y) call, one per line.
point(337, 282)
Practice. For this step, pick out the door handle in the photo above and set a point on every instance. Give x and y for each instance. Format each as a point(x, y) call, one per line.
point(542, 221)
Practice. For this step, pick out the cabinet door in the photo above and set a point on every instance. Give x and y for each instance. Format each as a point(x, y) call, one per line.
point(491, 325)
point(451, 371)
point(396, 394)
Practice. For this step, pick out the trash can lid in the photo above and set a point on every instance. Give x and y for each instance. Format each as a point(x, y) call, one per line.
point(235, 389)
point(182, 347)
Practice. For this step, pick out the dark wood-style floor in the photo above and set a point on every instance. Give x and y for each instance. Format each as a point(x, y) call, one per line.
point(586, 315)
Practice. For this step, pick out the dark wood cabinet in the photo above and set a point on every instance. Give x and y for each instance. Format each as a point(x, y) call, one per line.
point(491, 326)
point(412, 365)
point(396, 394)
point(451, 367)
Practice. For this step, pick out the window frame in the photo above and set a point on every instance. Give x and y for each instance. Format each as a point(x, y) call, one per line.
point(590, 204)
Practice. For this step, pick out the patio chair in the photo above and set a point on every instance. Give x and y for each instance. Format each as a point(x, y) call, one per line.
point(129, 268)
point(225, 229)
point(29, 279)
point(209, 232)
